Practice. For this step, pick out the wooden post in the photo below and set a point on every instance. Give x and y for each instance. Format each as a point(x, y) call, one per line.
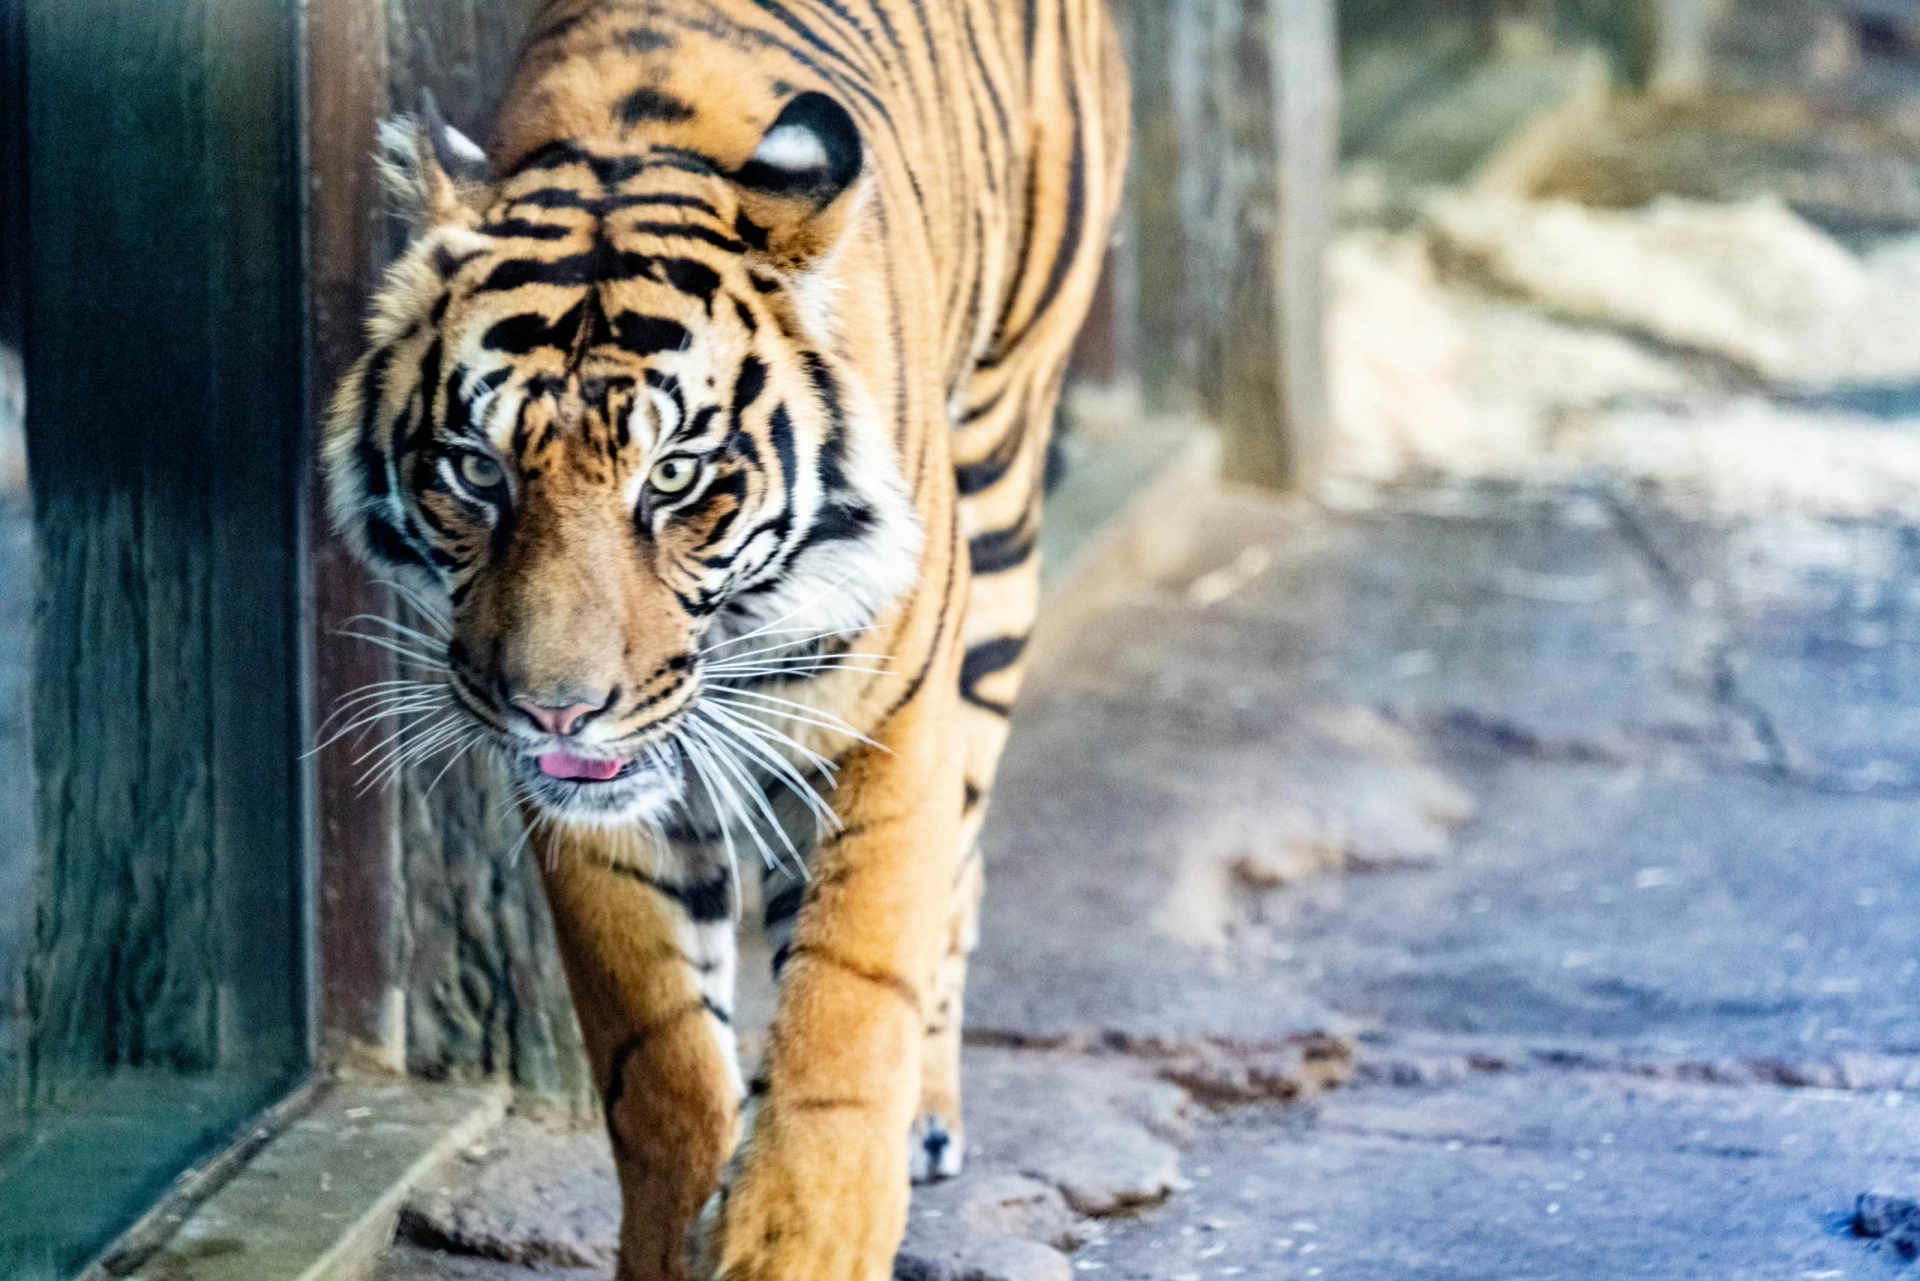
point(361, 1011)
point(1680, 32)
point(1232, 206)
point(1305, 78)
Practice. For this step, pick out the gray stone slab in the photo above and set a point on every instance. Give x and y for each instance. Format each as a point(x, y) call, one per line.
point(318, 1202)
point(1633, 875)
point(1088, 934)
point(1824, 647)
point(1813, 634)
point(1689, 914)
point(528, 1194)
point(1558, 1178)
point(1055, 1143)
point(1301, 713)
point(414, 1263)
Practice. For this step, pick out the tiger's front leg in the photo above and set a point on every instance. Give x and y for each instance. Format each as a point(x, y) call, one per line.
point(649, 955)
point(819, 1188)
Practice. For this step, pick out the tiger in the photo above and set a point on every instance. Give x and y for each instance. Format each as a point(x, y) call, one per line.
point(710, 406)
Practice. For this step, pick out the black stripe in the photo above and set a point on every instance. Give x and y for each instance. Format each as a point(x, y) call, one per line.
point(978, 477)
point(601, 206)
point(987, 659)
point(701, 421)
point(616, 1087)
point(806, 33)
point(940, 626)
point(1001, 343)
point(446, 263)
point(785, 905)
point(999, 550)
point(746, 389)
point(1067, 252)
point(649, 335)
point(681, 159)
point(689, 277)
point(577, 270)
point(373, 388)
point(518, 335)
point(641, 40)
point(688, 231)
point(605, 265)
point(522, 229)
point(705, 903)
point(780, 431)
point(986, 74)
point(651, 105)
point(749, 231)
point(841, 522)
point(609, 171)
point(732, 485)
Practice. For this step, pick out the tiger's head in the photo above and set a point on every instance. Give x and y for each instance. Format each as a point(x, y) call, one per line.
point(603, 418)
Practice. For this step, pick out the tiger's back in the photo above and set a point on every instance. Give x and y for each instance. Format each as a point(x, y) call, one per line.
point(748, 329)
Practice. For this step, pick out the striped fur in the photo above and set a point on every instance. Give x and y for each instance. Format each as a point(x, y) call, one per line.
point(711, 405)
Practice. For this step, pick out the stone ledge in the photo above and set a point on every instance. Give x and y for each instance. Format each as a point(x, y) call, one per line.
point(320, 1199)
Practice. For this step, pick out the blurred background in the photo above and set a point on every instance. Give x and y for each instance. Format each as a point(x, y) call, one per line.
point(1473, 382)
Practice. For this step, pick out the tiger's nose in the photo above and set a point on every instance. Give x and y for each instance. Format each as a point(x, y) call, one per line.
point(566, 720)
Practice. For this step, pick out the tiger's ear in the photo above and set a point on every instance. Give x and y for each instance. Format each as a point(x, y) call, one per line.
point(796, 189)
point(433, 173)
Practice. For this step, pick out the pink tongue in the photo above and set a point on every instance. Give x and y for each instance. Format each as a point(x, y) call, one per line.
point(560, 765)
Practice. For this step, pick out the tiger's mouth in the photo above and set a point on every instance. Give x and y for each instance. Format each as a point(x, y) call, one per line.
point(598, 789)
point(564, 767)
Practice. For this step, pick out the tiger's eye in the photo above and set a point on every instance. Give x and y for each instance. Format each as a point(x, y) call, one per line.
point(480, 471)
point(673, 475)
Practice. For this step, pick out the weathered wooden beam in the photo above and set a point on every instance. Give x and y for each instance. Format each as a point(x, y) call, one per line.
point(356, 831)
point(1679, 35)
point(1303, 49)
point(1236, 107)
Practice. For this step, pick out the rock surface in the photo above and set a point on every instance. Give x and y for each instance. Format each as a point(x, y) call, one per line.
point(1556, 1177)
point(531, 1195)
point(1574, 834)
point(1059, 1141)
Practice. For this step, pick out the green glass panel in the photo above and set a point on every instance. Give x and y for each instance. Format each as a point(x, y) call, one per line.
point(152, 977)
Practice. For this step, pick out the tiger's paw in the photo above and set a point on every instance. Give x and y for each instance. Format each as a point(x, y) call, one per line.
point(936, 1148)
point(778, 1226)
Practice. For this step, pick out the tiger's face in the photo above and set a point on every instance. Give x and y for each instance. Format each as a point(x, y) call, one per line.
point(602, 421)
